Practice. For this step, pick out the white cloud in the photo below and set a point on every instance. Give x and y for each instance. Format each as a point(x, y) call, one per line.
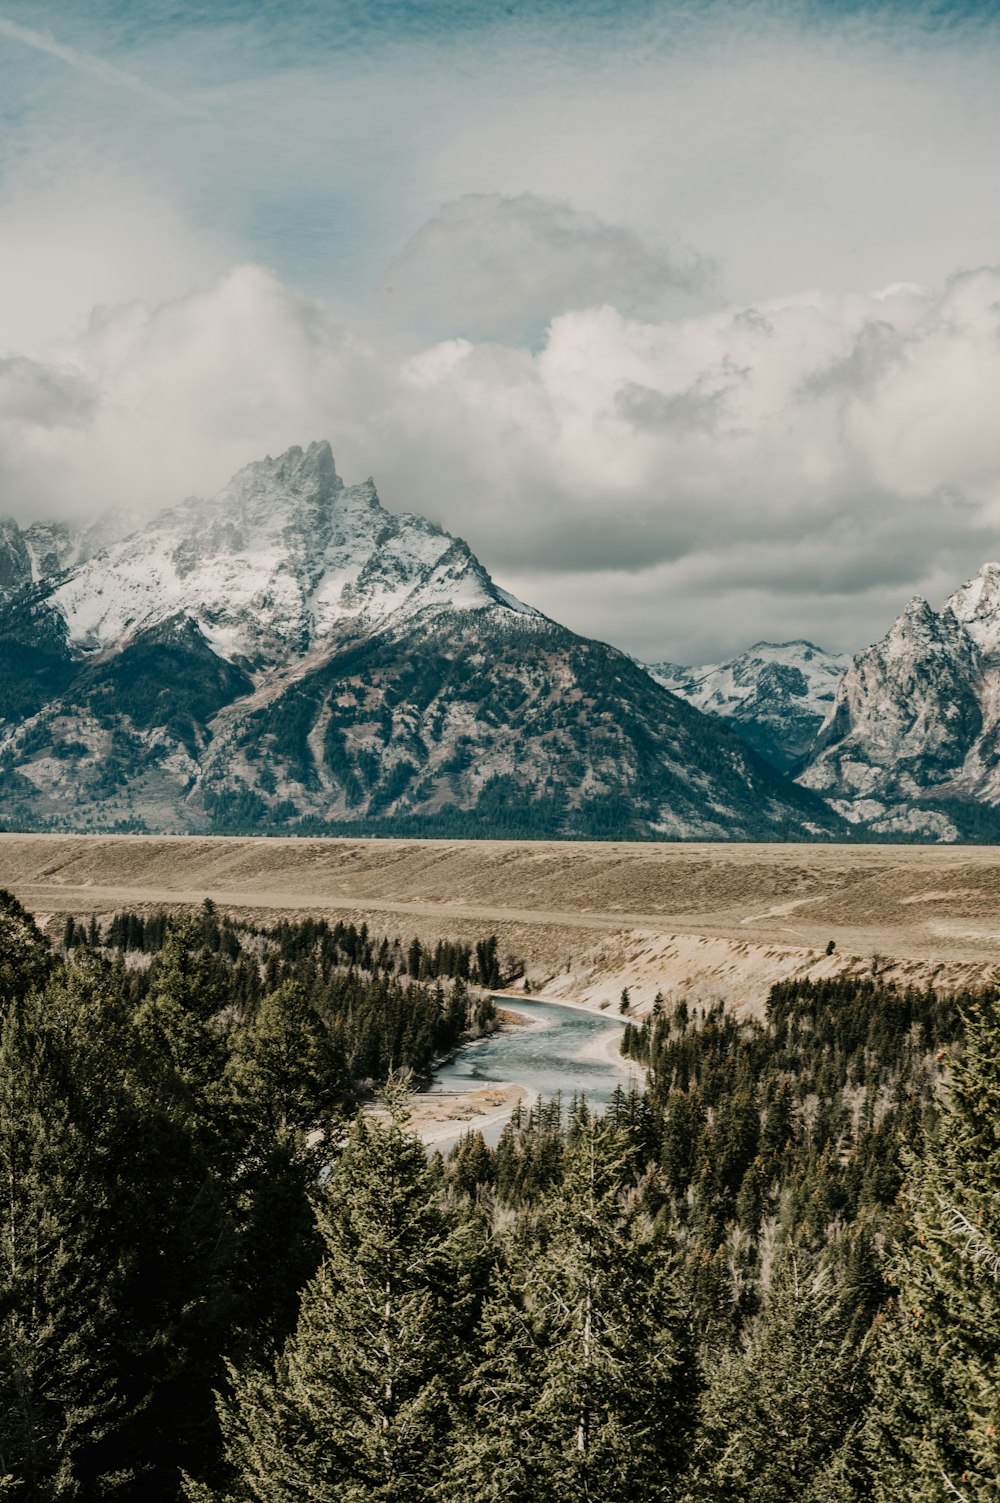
point(488, 265)
point(74, 235)
point(681, 486)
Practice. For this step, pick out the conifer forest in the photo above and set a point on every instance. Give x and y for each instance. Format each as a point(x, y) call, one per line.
point(231, 1273)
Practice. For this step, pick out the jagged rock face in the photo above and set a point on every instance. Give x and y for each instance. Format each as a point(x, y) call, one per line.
point(911, 742)
point(285, 558)
point(55, 546)
point(289, 655)
point(776, 695)
point(977, 607)
point(15, 560)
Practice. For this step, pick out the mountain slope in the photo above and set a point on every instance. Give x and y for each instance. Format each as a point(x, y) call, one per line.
point(775, 694)
point(912, 742)
point(289, 655)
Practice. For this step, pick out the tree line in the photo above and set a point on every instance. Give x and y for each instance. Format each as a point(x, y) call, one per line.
point(773, 1275)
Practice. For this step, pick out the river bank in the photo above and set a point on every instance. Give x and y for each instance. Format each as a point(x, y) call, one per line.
point(438, 1116)
point(545, 1049)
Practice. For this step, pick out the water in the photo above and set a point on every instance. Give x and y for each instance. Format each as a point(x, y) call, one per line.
point(563, 1052)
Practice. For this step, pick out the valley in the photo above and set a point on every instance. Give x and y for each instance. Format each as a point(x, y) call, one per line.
point(586, 918)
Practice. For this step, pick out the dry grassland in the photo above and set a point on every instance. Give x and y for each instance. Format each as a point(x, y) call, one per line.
point(588, 918)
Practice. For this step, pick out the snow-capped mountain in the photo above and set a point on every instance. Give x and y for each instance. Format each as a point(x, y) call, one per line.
point(279, 562)
point(45, 549)
point(912, 742)
point(776, 694)
point(290, 655)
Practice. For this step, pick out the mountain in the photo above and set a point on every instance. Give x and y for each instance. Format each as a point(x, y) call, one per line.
point(291, 656)
point(45, 549)
point(911, 746)
point(776, 695)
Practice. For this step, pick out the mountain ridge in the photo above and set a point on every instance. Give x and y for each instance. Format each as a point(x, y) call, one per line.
point(290, 655)
point(912, 741)
point(775, 694)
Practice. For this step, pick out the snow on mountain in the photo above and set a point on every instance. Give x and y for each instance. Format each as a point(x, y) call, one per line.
point(776, 694)
point(977, 606)
point(912, 741)
point(46, 549)
point(281, 559)
point(54, 547)
point(289, 654)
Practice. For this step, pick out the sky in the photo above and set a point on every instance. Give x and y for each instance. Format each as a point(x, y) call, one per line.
point(686, 317)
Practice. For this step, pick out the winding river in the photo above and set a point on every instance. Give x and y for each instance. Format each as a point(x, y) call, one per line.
point(558, 1050)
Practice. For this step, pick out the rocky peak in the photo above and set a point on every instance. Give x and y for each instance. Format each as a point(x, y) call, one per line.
point(907, 713)
point(282, 561)
point(293, 498)
point(977, 606)
point(304, 477)
point(775, 694)
point(919, 631)
point(15, 561)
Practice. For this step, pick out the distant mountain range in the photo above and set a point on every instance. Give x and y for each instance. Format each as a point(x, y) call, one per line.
point(776, 694)
point(289, 656)
point(911, 746)
point(903, 739)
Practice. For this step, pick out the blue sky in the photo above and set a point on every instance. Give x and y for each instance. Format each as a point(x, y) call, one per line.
point(677, 312)
point(315, 136)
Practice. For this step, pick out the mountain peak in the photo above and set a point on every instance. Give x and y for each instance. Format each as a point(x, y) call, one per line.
point(298, 475)
point(917, 621)
point(285, 560)
point(775, 694)
point(976, 604)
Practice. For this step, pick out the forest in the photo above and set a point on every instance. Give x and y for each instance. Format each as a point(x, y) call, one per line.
point(772, 1275)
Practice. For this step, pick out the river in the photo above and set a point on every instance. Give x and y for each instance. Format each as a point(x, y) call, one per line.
point(559, 1050)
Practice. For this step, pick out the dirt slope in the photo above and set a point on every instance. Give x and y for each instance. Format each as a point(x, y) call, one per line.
point(587, 918)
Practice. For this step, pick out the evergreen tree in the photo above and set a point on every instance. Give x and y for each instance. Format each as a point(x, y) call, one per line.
point(286, 1069)
point(58, 1276)
point(288, 1080)
point(586, 1389)
point(357, 1407)
point(781, 1416)
point(935, 1428)
point(25, 959)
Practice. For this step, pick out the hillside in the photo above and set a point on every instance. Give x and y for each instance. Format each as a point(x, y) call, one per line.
point(701, 921)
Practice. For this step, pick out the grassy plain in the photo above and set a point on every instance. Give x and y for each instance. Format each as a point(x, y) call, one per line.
point(587, 918)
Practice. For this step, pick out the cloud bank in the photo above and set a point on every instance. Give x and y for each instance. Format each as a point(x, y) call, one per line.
point(491, 266)
point(456, 240)
point(677, 484)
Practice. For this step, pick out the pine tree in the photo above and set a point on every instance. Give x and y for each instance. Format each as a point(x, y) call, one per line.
point(286, 1068)
point(59, 1274)
point(586, 1388)
point(25, 960)
point(781, 1416)
point(288, 1081)
point(357, 1407)
point(935, 1428)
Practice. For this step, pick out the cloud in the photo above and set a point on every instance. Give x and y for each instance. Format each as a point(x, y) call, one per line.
point(78, 235)
point(699, 409)
point(39, 396)
point(198, 212)
point(682, 485)
point(488, 265)
point(330, 133)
